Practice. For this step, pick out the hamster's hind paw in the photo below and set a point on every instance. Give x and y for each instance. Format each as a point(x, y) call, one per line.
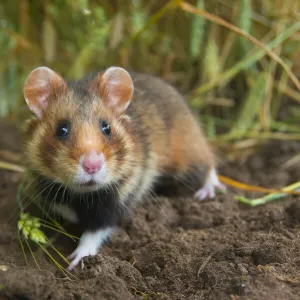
point(212, 183)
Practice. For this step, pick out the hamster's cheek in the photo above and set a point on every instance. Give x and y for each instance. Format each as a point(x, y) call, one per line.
point(109, 171)
point(64, 169)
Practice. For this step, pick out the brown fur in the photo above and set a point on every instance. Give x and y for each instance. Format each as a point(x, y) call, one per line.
point(178, 143)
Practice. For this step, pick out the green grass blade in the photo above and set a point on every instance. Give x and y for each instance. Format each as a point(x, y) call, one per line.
point(137, 16)
point(197, 32)
point(244, 23)
point(31, 252)
point(211, 60)
point(58, 252)
point(283, 82)
point(170, 5)
point(22, 246)
point(251, 106)
point(58, 265)
point(60, 231)
point(49, 217)
point(269, 197)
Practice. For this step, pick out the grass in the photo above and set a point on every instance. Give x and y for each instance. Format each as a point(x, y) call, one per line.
point(189, 8)
point(239, 52)
point(30, 232)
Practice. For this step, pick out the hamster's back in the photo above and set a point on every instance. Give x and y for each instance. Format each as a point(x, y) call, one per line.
point(162, 114)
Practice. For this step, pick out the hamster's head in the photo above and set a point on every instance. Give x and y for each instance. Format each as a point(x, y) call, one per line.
point(80, 135)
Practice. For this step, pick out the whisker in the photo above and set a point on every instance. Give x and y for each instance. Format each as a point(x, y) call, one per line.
point(149, 193)
point(32, 200)
point(46, 199)
point(54, 201)
point(17, 209)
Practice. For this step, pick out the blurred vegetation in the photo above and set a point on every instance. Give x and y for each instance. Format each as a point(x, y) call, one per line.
point(243, 96)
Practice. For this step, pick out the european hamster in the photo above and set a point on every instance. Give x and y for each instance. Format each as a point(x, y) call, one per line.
point(97, 146)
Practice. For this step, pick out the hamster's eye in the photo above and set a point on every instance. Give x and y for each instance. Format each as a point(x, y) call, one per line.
point(63, 129)
point(105, 128)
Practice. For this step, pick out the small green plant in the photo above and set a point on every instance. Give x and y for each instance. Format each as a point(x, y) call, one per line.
point(30, 230)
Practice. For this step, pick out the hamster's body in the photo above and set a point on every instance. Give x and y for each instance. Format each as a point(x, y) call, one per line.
point(95, 172)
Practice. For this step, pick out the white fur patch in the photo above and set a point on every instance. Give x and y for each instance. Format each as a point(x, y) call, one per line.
point(208, 190)
point(89, 244)
point(66, 212)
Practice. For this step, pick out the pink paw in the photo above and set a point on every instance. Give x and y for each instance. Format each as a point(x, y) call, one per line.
point(208, 190)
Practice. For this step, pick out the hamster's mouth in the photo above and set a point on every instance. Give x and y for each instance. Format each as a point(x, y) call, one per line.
point(85, 187)
point(90, 183)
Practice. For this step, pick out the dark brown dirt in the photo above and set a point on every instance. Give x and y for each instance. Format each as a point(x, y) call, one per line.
point(175, 248)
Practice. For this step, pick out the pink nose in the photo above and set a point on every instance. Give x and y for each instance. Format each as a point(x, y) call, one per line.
point(92, 163)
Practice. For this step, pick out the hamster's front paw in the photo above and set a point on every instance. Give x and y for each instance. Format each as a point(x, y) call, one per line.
point(208, 190)
point(81, 252)
point(89, 245)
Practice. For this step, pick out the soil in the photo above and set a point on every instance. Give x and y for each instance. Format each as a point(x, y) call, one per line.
point(173, 248)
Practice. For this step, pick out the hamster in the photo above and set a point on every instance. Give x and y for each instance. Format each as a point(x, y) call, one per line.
point(95, 147)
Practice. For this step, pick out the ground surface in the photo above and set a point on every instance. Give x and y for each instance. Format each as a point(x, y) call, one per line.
point(175, 248)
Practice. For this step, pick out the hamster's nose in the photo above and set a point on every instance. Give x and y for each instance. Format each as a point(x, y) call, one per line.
point(92, 162)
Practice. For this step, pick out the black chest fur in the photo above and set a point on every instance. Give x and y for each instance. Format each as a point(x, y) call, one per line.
point(94, 210)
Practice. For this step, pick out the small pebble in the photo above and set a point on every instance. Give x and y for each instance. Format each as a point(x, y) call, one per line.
point(3, 268)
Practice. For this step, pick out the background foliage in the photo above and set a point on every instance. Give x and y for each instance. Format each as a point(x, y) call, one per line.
point(243, 96)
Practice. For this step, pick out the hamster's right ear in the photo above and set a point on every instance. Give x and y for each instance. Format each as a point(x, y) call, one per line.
point(40, 85)
point(115, 87)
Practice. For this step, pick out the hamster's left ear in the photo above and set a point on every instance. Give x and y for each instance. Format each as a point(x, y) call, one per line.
point(41, 87)
point(115, 88)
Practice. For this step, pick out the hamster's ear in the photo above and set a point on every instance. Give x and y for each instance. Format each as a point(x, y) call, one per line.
point(41, 84)
point(115, 87)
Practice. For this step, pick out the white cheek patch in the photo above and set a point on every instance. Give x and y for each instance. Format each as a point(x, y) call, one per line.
point(100, 176)
point(89, 245)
